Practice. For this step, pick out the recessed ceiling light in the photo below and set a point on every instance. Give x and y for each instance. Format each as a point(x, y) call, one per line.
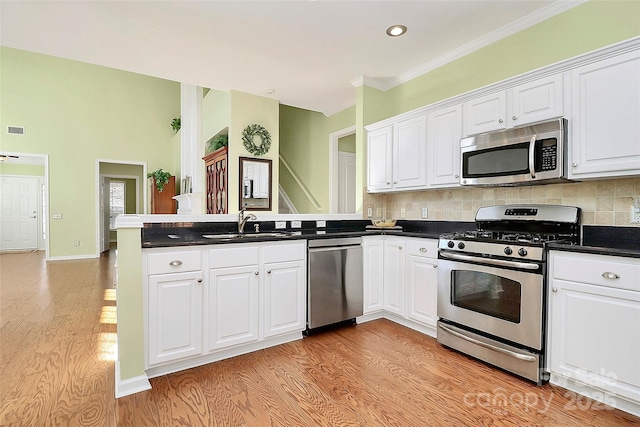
point(396, 30)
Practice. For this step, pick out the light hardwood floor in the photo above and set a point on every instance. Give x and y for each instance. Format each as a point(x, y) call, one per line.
point(56, 368)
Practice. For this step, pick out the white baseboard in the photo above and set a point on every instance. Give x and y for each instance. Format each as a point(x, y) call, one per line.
point(71, 257)
point(130, 385)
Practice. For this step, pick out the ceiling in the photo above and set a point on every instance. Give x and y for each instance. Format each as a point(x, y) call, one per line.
point(309, 53)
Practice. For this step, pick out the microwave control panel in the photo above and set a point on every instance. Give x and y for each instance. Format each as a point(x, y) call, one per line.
point(548, 154)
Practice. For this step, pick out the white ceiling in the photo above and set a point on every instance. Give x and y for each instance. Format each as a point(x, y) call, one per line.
point(308, 52)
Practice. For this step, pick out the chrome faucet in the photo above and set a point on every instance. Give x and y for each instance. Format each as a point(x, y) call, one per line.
point(242, 220)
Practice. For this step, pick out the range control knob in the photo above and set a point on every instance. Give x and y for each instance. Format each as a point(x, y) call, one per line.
point(450, 244)
point(461, 245)
point(508, 250)
point(522, 252)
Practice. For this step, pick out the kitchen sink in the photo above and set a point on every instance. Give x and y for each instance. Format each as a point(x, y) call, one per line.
point(248, 235)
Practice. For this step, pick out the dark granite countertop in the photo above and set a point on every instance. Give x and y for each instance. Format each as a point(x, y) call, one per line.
point(601, 240)
point(158, 235)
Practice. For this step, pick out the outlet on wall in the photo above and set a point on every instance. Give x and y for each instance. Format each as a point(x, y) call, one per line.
point(296, 224)
point(424, 213)
point(369, 212)
point(635, 215)
point(403, 213)
point(76, 243)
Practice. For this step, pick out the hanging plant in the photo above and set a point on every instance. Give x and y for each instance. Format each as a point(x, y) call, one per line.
point(160, 177)
point(175, 124)
point(249, 135)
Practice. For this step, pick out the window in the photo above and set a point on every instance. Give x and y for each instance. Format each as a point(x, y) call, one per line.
point(117, 197)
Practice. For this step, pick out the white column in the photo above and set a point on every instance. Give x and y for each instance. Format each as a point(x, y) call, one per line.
point(191, 149)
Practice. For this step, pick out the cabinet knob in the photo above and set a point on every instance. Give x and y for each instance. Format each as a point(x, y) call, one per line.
point(554, 289)
point(199, 280)
point(268, 271)
point(388, 183)
point(514, 118)
point(457, 176)
point(256, 273)
point(435, 266)
point(176, 263)
point(574, 165)
point(500, 121)
point(395, 182)
point(423, 249)
point(399, 248)
point(610, 275)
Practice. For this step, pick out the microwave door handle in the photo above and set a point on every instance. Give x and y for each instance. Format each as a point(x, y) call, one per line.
point(532, 156)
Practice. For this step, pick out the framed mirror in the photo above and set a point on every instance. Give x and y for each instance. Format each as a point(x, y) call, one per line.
point(255, 184)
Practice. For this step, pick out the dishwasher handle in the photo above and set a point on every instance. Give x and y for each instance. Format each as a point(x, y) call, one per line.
point(333, 248)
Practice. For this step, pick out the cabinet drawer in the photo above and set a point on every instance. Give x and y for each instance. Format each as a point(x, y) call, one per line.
point(174, 262)
point(285, 252)
point(427, 248)
point(233, 256)
point(602, 270)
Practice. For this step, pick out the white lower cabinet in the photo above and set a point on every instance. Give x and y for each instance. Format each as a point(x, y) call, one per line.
point(253, 296)
point(175, 316)
point(400, 280)
point(422, 281)
point(594, 343)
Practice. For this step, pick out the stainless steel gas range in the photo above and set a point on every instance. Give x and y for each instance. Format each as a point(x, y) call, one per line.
point(492, 291)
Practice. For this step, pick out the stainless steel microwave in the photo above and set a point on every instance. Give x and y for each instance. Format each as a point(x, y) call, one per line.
point(532, 154)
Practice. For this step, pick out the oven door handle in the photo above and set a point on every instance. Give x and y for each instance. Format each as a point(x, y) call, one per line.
point(492, 261)
point(532, 156)
point(524, 357)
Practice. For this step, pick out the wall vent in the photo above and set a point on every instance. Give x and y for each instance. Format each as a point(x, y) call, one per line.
point(15, 130)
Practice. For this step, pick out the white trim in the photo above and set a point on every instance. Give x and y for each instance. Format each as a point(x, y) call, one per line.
point(130, 385)
point(133, 221)
point(287, 200)
point(71, 257)
point(334, 137)
point(304, 189)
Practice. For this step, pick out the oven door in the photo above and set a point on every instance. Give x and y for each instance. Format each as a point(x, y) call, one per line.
point(503, 302)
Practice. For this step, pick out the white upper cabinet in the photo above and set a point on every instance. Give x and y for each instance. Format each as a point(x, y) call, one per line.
point(397, 155)
point(523, 104)
point(410, 153)
point(605, 118)
point(443, 147)
point(379, 173)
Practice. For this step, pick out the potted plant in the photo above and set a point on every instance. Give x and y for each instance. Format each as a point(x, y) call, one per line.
point(217, 143)
point(160, 177)
point(175, 124)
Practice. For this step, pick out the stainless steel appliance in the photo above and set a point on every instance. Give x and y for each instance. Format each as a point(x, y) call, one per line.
point(335, 281)
point(531, 154)
point(491, 284)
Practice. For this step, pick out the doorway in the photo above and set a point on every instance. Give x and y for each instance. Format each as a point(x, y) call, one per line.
point(24, 202)
point(120, 190)
point(342, 171)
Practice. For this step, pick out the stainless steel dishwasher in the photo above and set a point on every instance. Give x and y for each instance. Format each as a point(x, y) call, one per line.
point(334, 285)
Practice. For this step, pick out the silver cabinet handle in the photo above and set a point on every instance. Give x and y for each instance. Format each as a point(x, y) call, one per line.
point(500, 121)
point(514, 118)
point(435, 266)
point(532, 156)
point(388, 183)
point(176, 263)
point(256, 273)
point(199, 280)
point(610, 275)
point(395, 182)
point(423, 249)
point(457, 176)
point(574, 165)
point(37, 217)
point(268, 271)
point(554, 289)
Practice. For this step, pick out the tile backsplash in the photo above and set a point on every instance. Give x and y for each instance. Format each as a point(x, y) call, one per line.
point(605, 202)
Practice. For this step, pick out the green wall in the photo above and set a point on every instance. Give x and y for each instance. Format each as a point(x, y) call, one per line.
point(347, 143)
point(18, 169)
point(77, 113)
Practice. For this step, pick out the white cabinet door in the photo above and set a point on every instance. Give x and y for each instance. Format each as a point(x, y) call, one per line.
point(233, 306)
point(422, 289)
point(284, 297)
point(410, 153)
point(605, 129)
point(373, 275)
point(175, 316)
point(535, 101)
point(443, 147)
point(394, 265)
point(485, 114)
point(379, 162)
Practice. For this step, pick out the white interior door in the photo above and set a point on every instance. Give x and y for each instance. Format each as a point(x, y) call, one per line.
point(346, 182)
point(105, 213)
point(19, 213)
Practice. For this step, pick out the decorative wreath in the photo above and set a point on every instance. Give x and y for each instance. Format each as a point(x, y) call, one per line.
point(248, 135)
